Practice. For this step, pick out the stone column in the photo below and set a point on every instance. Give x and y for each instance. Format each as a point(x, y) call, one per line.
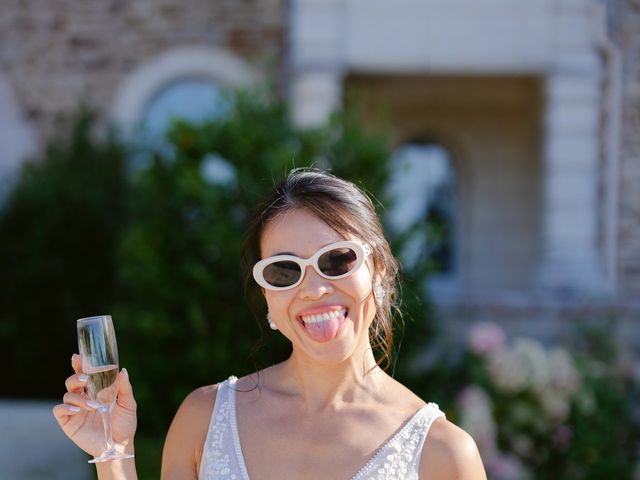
point(314, 95)
point(571, 258)
point(571, 261)
point(317, 57)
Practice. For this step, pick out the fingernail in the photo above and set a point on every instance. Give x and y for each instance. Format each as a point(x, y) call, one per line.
point(83, 377)
point(73, 357)
point(92, 404)
point(73, 408)
point(126, 374)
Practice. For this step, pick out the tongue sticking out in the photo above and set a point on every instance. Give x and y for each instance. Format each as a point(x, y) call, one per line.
point(324, 330)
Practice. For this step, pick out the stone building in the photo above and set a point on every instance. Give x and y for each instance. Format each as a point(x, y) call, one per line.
point(517, 119)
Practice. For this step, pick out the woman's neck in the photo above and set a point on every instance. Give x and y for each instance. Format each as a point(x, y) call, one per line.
point(324, 387)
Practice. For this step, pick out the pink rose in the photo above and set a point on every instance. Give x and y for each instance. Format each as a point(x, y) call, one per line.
point(486, 338)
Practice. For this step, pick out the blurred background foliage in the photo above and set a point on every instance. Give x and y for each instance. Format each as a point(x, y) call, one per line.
point(59, 233)
point(152, 234)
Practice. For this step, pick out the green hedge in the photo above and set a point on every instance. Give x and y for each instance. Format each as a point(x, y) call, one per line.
point(59, 230)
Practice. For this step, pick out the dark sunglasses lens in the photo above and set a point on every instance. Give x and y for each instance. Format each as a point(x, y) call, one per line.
point(337, 262)
point(281, 274)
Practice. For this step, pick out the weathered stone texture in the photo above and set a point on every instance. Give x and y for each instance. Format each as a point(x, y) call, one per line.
point(629, 232)
point(60, 53)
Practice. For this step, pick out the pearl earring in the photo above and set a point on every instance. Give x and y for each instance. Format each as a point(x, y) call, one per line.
point(379, 293)
point(272, 325)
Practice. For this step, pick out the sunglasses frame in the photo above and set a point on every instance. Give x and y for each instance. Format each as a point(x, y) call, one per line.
point(361, 251)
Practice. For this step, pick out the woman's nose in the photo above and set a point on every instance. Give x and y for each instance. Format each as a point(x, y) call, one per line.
point(313, 285)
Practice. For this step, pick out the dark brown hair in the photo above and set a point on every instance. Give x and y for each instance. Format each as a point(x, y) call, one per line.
point(347, 210)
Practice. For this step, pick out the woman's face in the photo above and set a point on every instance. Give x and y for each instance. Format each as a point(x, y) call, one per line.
point(326, 320)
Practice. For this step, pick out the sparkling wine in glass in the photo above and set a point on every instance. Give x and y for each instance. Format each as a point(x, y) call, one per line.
point(99, 350)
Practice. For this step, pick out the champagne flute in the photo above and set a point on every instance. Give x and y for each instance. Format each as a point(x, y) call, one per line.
point(97, 345)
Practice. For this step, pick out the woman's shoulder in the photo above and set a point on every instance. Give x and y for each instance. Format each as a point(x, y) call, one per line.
point(187, 433)
point(202, 398)
point(197, 405)
point(401, 396)
point(450, 452)
point(195, 409)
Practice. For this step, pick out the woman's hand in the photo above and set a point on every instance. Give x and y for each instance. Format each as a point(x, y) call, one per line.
point(81, 422)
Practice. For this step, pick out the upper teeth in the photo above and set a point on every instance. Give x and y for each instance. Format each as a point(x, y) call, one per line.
point(323, 317)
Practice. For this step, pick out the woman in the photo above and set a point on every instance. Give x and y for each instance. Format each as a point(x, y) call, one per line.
point(318, 257)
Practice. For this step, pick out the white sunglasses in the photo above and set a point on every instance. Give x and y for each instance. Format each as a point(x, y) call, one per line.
point(334, 261)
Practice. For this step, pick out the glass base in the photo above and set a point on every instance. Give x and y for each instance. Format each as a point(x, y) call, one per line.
point(110, 455)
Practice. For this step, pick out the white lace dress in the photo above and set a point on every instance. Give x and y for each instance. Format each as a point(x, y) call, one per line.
point(396, 459)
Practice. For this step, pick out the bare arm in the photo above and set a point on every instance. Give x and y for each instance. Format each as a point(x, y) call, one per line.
point(450, 453)
point(187, 434)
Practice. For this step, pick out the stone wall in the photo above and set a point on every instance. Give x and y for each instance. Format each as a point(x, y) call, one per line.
point(57, 54)
point(628, 24)
point(60, 53)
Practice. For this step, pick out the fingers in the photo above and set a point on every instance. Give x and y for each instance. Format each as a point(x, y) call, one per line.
point(74, 403)
point(79, 400)
point(75, 387)
point(76, 363)
point(74, 400)
point(125, 391)
point(76, 383)
point(63, 412)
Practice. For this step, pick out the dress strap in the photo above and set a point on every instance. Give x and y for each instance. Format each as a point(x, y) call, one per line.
point(233, 420)
point(221, 456)
point(399, 457)
point(431, 412)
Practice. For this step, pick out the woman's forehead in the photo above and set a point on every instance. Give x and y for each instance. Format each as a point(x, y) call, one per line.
point(297, 231)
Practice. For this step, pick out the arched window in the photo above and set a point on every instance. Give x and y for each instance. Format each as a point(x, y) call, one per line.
point(184, 82)
point(191, 99)
point(423, 211)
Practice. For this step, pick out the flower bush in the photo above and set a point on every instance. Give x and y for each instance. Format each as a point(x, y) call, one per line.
point(545, 412)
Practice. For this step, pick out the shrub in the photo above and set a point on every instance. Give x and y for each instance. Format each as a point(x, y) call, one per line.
point(59, 230)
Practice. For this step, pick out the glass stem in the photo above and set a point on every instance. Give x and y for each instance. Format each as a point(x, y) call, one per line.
point(105, 414)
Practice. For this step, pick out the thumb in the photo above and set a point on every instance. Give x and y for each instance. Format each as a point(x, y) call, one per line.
point(125, 391)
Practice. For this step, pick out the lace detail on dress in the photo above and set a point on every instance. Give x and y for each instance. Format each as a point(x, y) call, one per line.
point(399, 458)
point(219, 460)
